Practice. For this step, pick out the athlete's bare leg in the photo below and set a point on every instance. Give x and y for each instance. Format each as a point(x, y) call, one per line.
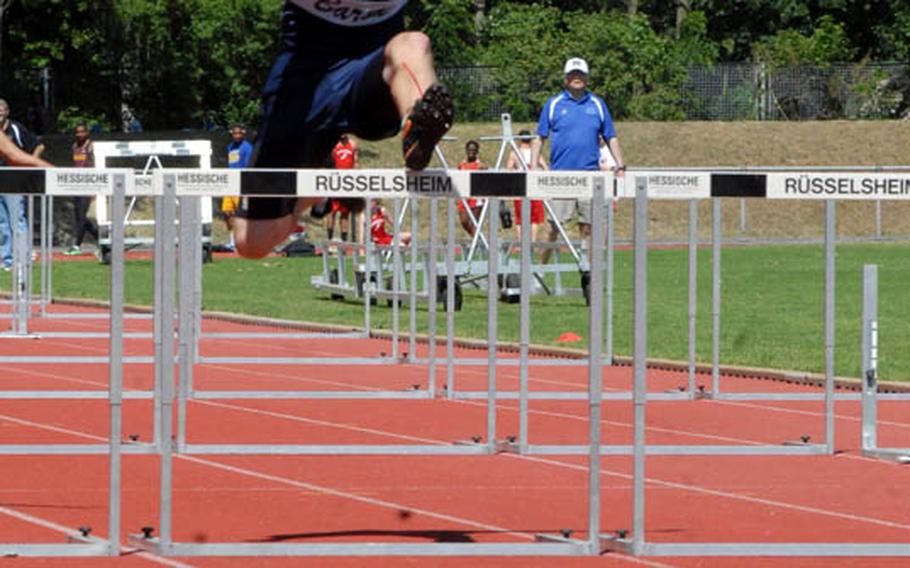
point(255, 238)
point(408, 71)
point(408, 51)
point(551, 237)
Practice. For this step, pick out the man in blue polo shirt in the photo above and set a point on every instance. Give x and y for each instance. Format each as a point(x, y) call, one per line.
point(576, 119)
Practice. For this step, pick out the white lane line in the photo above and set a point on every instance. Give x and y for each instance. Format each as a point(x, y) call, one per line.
point(318, 489)
point(75, 534)
point(315, 422)
point(44, 523)
point(300, 379)
point(729, 495)
point(723, 493)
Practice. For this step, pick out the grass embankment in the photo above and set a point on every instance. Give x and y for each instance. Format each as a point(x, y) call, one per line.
point(705, 144)
point(772, 303)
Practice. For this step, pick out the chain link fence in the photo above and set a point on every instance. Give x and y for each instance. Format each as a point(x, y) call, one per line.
point(745, 91)
point(735, 91)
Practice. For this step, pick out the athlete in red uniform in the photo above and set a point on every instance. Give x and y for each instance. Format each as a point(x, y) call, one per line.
point(345, 156)
point(345, 153)
point(538, 212)
point(471, 162)
point(378, 219)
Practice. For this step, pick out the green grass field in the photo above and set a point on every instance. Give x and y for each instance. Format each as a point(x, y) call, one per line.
point(772, 303)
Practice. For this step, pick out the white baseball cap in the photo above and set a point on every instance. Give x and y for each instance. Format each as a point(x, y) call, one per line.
point(575, 64)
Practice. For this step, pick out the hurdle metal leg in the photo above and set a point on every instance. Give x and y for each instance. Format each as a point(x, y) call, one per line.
point(640, 366)
point(158, 322)
point(492, 322)
point(870, 359)
point(188, 269)
point(115, 368)
point(611, 264)
point(524, 323)
point(412, 293)
point(43, 258)
point(431, 296)
point(166, 362)
point(396, 275)
point(830, 277)
point(693, 294)
point(595, 368)
point(450, 297)
point(717, 236)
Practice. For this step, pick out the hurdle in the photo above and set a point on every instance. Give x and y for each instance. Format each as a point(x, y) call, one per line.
point(106, 151)
point(870, 378)
point(417, 393)
point(433, 185)
point(776, 185)
point(81, 542)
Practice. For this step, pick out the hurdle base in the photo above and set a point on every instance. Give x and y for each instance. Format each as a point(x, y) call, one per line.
point(798, 443)
point(140, 542)
point(89, 549)
point(701, 393)
point(616, 543)
point(900, 456)
point(606, 543)
point(507, 446)
point(11, 335)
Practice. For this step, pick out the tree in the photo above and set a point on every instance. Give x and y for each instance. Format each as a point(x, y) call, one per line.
point(77, 44)
point(193, 63)
point(450, 26)
point(4, 7)
point(828, 43)
point(637, 71)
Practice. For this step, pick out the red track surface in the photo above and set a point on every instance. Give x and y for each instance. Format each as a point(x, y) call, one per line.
point(503, 498)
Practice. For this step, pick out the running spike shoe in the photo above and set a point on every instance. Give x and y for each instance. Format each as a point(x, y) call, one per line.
point(429, 120)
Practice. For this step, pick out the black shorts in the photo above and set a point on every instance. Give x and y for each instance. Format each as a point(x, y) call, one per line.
point(308, 101)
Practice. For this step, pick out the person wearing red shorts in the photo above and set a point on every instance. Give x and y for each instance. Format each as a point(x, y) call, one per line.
point(378, 219)
point(471, 162)
point(345, 156)
point(538, 212)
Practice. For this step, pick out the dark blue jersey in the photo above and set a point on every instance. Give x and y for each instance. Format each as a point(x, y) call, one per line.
point(340, 27)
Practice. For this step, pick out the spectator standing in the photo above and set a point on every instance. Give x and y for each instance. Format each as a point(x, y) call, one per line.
point(471, 162)
point(345, 156)
point(538, 211)
point(239, 152)
point(83, 157)
point(577, 120)
point(29, 144)
point(340, 69)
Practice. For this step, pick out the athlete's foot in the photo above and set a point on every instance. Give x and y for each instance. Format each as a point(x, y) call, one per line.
point(429, 120)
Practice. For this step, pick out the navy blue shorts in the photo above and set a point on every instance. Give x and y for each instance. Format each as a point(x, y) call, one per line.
point(310, 99)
